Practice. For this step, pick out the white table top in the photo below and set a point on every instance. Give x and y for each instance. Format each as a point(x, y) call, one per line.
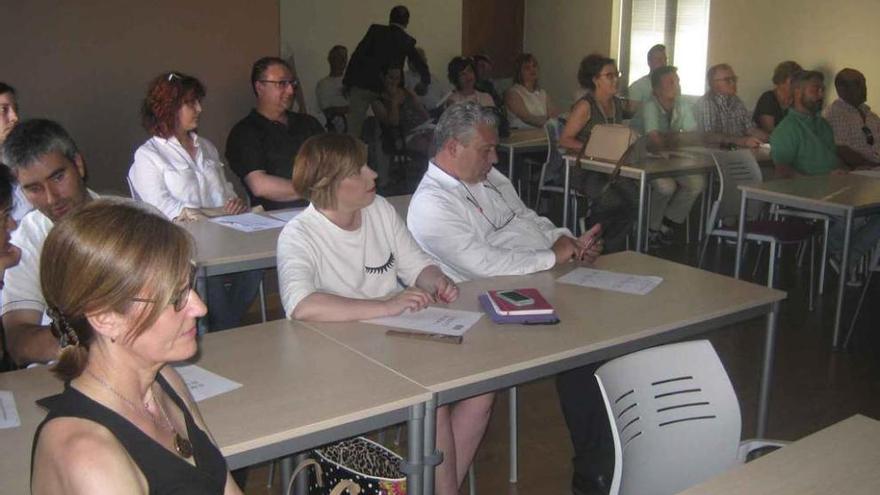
point(824, 193)
point(295, 383)
point(217, 245)
point(520, 138)
point(841, 459)
point(592, 320)
point(670, 165)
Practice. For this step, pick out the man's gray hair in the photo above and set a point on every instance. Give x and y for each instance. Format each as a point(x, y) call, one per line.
point(32, 139)
point(460, 122)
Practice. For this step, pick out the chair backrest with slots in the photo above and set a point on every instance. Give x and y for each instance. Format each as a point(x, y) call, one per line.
point(674, 417)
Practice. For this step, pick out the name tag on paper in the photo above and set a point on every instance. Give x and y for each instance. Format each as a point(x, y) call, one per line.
point(432, 320)
point(249, 222)
point(203, 384)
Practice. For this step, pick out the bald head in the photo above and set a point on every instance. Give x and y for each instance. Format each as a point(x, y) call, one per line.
point(851, 86)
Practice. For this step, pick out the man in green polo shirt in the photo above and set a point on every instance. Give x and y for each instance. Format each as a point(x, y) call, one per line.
point(803, 144)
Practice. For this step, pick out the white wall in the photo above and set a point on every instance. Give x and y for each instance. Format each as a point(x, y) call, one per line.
point(755, 35)
point(309, 28)
point(560, 33)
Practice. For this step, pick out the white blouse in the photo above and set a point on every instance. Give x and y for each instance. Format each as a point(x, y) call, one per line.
point(166, 176)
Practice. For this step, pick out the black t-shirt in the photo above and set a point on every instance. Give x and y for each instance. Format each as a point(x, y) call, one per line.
point(257, 143)
point(769, 105)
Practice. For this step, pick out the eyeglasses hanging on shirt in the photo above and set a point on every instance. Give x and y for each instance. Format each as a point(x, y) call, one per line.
point(473, 200)
point(869, 136)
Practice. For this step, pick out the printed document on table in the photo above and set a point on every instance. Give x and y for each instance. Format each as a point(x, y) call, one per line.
point(249, 222)
point(8, 412)
point(286, 216)
point(432, 320)
point(203, 384)
point(618, 282)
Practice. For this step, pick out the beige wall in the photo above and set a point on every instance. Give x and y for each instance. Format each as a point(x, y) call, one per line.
point(87, 65)
point(755, 35)
point(309, 28)
point(560, 33)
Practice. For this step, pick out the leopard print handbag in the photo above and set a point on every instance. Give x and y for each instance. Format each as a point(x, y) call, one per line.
point(374, 468)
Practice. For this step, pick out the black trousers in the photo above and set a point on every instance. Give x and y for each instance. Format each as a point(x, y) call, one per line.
point(587, 421)
point(615, 207)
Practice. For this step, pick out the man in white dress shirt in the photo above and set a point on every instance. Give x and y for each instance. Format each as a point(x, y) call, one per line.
point(467, 215)
point(51, 172)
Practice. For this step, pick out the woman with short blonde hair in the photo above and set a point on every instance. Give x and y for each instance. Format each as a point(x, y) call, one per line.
point(341, 260)
point(122, 306)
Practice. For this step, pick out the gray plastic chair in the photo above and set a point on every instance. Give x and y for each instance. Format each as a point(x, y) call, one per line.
point(741, 168)
point(553, 166)
point(675, 418)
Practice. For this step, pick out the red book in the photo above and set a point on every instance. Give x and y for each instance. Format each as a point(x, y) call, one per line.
point(505, 308)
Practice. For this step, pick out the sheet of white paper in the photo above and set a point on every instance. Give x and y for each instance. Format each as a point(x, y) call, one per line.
point(432, 320)
point(203, 384)
point(8, 412)
point(619, 282)
point(249, 222)
point(286, 216)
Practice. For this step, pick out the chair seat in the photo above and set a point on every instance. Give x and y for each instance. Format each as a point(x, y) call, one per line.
point(784, 231)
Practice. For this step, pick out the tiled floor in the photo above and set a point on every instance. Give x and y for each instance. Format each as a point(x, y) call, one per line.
point(813, 386)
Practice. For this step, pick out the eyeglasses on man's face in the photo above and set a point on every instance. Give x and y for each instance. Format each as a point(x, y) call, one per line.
point(281, 84)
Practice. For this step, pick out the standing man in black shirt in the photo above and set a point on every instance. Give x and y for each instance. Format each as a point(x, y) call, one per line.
point(382, 47)
point(261, 147)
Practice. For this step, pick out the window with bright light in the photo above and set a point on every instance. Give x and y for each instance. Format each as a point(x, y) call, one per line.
point(681, 25)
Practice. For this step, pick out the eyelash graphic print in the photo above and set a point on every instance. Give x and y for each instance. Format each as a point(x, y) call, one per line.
point(381, 269)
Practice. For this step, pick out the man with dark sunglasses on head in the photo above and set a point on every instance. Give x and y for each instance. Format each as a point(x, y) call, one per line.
point(261, 147)
point(856, 128)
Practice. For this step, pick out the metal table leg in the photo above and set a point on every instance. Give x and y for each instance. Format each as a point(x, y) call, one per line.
point(740, 234)
point(510, 164)
point(642, 222)
point(841, 284)
point(767, 371)
point(415, 463)
point(431, 456)
point(202, 290)
point(512, 399)
point(565, 193)
point(263, 303)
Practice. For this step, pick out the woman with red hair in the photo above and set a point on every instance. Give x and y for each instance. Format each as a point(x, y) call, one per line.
point(176, 170)
point(180, 173)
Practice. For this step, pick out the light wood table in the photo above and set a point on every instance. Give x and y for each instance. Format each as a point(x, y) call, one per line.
point(522, 141)
point(300, 390)
point(596, 325)
point(842, 196)
point(674, 165)
point(841, 459)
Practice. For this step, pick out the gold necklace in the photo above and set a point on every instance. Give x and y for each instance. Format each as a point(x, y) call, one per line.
point(181, 445)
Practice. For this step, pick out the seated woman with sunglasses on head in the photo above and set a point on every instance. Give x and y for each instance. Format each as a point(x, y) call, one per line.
point(180, 173)
point(122, 306)
point(341, 260)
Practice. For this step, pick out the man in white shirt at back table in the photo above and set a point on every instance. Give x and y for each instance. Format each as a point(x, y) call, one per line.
point(468, 217)
point(51, 172)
